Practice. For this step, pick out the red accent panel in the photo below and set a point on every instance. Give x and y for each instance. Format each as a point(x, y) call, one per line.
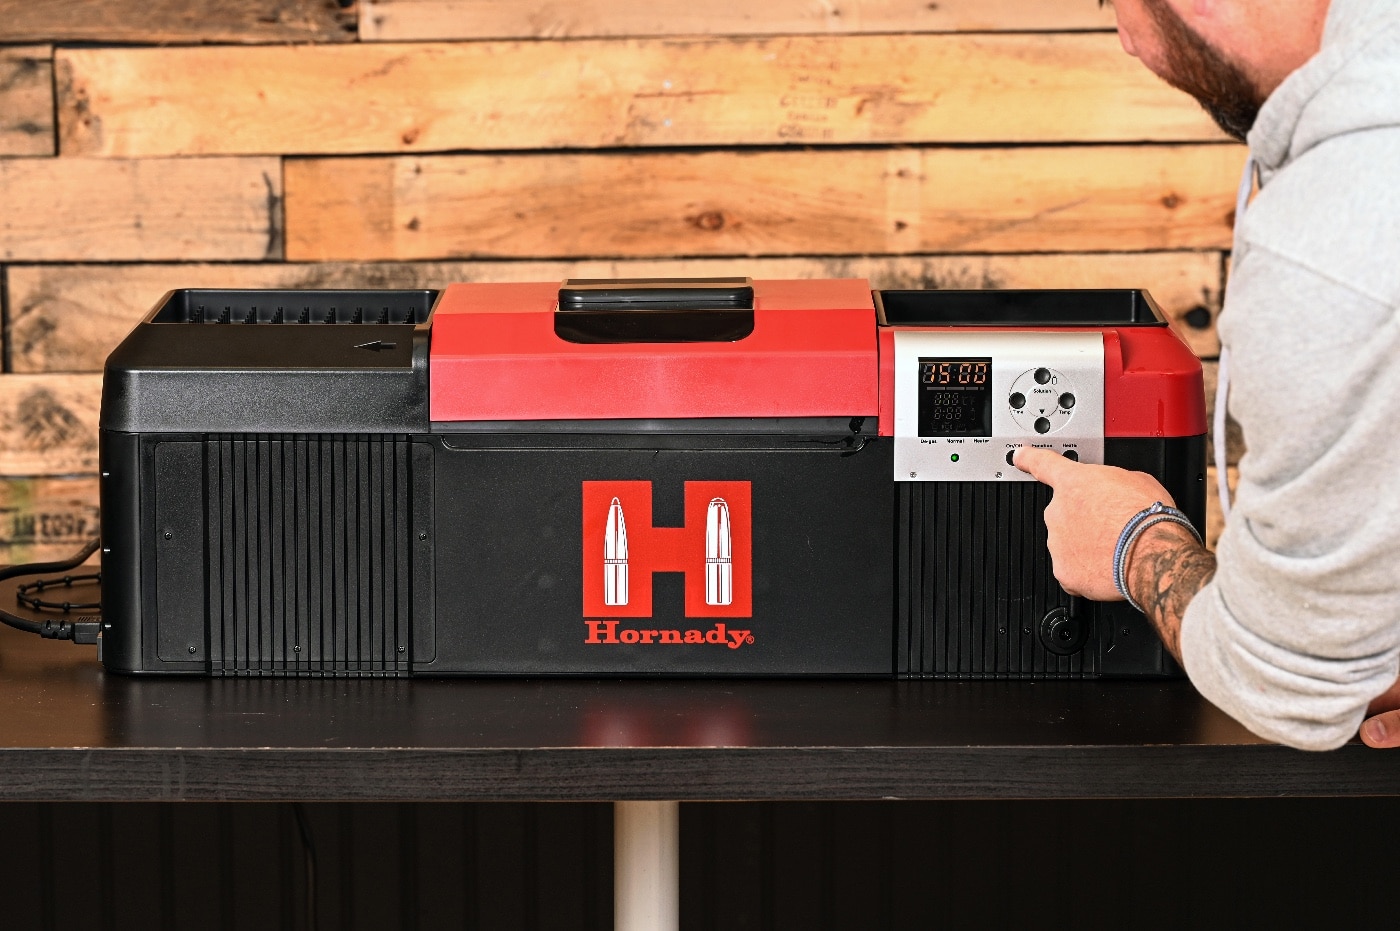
point(666, 549)
point(1153, 384)
point(495, 357)
point(886, 341)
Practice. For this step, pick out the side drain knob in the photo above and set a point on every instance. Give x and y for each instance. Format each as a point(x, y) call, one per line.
point(1063, 634)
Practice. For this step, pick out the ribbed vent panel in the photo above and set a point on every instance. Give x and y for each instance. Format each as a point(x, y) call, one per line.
point(303, 314)
point(203, 306)
point(975, 582)
point(308, 549)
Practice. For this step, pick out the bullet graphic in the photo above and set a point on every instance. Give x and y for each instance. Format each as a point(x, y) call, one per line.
point(719, 554)
point(615, 557)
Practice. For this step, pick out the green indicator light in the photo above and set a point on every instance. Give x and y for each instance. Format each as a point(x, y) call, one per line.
point(955, 457)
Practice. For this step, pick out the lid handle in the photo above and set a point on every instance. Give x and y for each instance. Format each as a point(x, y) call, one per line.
point(654, 310)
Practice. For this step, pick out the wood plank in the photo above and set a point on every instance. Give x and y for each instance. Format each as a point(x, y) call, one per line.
point(26, 100)
point(46, 518)
point(389, 20)
point(67, 318)
point(113, 209)
point(162, 21)
point(49, 423)
point(1196, 322)
point(388, 98)
point(768, 203)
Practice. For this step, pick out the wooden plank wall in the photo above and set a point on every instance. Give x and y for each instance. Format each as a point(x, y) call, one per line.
point(153, 144)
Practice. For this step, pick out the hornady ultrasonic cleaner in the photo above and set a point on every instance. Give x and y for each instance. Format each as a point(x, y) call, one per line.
point(711, 477)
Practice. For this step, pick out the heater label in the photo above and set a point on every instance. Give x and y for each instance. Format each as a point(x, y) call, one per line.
point(622, 551)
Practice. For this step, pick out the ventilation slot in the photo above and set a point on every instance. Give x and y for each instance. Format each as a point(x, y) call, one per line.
point(309, 555)
point(975, 582)
point(297, 307)
point(305, 314)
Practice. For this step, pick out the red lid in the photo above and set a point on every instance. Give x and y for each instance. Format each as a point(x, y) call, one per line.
point(495, 356)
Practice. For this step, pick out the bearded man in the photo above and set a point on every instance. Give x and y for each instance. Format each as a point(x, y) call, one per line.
point(1293, 625)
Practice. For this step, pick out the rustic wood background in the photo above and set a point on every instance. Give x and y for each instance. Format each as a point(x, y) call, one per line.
point(154, 144)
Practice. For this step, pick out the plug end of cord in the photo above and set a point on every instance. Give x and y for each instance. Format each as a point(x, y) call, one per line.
point(85, 628)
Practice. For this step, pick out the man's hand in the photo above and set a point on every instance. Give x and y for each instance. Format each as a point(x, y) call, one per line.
point(1167, 567)
point(1091, 506)
point(1382, 728)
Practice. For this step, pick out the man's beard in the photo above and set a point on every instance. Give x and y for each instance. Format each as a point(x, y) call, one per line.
point(1199, 70)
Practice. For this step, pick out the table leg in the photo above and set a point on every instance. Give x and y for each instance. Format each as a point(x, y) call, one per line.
point(646, 866)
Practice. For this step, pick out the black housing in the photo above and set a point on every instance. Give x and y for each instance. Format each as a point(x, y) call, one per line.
point(276, 502)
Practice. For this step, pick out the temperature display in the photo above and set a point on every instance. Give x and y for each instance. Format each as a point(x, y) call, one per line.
point(955, 397)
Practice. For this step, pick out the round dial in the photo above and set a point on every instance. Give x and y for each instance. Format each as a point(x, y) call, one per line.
point(1041, 401)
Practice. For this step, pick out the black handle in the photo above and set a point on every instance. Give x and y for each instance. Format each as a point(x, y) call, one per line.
point(654, 310)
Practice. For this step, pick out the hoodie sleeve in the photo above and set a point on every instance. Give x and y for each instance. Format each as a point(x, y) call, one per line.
point(1300, 627)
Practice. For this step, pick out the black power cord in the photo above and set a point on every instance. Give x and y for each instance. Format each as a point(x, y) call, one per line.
point(22, 593)
point(85, 628)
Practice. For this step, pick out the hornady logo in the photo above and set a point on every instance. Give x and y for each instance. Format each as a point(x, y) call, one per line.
point(622, 551)
point(608, 632)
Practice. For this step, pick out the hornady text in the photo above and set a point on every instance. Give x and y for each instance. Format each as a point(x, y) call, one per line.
point(607, 632)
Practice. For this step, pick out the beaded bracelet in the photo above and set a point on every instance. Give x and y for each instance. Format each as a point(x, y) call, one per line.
point(1137, 525)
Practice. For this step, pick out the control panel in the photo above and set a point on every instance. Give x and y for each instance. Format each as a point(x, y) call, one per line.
point(964, 401)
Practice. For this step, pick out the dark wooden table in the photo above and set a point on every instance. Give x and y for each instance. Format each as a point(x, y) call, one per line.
point(70, 731)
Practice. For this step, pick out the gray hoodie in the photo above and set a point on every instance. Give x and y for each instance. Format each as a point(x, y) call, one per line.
point(1300, 627)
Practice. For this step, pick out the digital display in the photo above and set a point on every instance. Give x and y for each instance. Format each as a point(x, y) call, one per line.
point(942, 373)
point(955, 397)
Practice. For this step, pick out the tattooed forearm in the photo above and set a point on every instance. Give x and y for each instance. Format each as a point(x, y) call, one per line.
point(1165, 571)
